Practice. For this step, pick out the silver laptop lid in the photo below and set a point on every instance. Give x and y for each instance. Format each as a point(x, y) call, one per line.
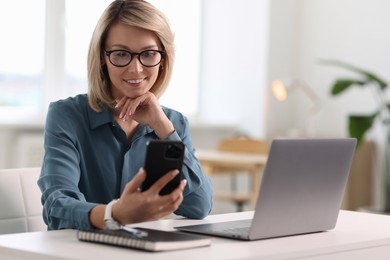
point(302, 186)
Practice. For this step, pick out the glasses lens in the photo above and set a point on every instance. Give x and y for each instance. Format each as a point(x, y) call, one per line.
point(150, 58)
point(120, 58)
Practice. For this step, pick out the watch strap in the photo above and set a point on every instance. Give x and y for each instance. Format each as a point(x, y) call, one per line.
point(109, 221)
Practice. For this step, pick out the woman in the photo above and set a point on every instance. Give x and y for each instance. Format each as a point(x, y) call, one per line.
point(95, 144)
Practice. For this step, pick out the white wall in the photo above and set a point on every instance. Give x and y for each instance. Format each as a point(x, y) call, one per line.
point(304, 31)
point(247, 44)
point(233, 64)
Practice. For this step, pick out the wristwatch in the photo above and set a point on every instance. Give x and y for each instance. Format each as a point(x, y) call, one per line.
point(110, 223)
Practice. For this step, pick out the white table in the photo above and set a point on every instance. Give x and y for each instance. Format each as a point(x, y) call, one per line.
point(356, 236)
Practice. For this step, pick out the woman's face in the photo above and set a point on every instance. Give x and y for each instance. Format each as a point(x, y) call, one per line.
point(134, 79)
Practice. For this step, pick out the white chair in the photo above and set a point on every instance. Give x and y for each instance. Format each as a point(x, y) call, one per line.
point(20, 201)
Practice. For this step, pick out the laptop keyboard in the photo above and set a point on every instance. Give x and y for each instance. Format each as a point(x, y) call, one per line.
point(234, 229)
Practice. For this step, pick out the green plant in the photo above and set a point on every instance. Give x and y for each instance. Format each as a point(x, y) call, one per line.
point(359, 125)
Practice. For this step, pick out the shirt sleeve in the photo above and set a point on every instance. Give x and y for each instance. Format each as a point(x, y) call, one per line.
point(197, 202)
point(64, 206)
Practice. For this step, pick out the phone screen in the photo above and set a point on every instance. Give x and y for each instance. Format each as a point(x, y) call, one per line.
point(163, 156)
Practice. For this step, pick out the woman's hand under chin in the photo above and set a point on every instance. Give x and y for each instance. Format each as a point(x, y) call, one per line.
point(146, 110)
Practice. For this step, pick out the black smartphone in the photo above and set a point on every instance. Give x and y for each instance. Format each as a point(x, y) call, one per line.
point(163, 156)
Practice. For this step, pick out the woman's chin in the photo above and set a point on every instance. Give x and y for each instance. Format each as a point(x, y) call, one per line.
point(133, 94)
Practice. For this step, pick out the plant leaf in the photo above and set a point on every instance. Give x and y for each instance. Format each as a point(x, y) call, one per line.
point(386, 121)
point(359, 125)
point(343, 84)
point(369, 75)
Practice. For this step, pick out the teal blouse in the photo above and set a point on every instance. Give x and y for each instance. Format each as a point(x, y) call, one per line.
point(88, 161)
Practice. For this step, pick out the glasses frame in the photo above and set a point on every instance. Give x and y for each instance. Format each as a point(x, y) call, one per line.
point(132, 54)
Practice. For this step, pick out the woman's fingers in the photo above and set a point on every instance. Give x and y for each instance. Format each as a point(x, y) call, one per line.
point(120, 102)
point(136, 182)
point(173, 201)
point(125, 110)
point(135, 206)
point(162, 181)
point(129, 106)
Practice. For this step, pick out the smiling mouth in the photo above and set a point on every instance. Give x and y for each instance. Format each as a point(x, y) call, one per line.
point(134, 81)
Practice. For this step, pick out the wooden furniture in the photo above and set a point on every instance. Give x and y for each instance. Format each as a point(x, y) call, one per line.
point(357, 235)
point(236, 156)
point(360, 189)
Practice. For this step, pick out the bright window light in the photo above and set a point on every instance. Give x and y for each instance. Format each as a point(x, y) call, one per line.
point(45, 44)
point(22, 54)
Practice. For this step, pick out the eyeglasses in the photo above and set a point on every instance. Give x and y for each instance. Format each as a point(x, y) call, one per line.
point(122, 58)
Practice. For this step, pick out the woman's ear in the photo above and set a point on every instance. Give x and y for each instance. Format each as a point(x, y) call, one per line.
point(102, 58)
point(162, 64)
point(103, 61)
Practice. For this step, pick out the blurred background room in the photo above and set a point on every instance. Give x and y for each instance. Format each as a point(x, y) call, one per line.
point(228, 54)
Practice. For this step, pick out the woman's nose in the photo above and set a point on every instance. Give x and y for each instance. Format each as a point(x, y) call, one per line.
point(135, 65)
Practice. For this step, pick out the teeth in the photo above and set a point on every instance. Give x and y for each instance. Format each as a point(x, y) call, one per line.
point(134, 81)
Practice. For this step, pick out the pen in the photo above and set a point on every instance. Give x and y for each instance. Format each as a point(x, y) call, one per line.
point(135, 232)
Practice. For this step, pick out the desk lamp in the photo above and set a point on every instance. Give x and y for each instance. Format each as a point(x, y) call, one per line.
point(281, 89)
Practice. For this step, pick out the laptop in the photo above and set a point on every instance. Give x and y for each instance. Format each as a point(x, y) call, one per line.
point(301, 191)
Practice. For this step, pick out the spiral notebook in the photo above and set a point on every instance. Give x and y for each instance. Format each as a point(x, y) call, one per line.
point(153, 241)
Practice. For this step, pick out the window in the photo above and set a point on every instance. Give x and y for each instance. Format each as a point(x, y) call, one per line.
point(22, 55)
point(45, 59)
point(81, 18)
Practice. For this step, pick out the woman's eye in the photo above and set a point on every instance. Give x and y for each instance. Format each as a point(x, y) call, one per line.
point(121, 54)
point(148, 54)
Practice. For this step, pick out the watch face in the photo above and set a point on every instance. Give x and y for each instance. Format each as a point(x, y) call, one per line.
point(111, 224)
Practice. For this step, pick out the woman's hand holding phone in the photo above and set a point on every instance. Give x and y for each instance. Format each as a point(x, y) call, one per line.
point(135, 205)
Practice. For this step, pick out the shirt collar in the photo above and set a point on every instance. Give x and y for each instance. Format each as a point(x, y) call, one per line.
point(97, 119)
point(103, 117)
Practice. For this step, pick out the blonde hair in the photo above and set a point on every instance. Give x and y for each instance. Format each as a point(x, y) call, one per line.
point(136, 13)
